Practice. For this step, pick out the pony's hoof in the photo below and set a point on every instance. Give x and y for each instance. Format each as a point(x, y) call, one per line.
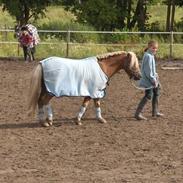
point(49, 121)
point(102, 120)
point(78, 121)
point(44, 124)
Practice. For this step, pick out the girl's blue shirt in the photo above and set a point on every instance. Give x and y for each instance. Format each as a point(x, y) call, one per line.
point(148, 70)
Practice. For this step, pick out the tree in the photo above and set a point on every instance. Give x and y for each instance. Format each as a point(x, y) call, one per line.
point(140, 15)
point(171, 5)
point(23, 10)
point(129, 9)
point(110, 15)
point(122, 13)
point(100, 14)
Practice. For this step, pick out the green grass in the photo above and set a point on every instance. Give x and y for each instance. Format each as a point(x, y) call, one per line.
point(56, 14)
point(83, 50)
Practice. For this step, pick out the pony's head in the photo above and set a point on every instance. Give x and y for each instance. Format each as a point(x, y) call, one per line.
point(131, 66)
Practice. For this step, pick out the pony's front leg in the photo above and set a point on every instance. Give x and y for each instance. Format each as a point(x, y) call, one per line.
point(98, 111)
point(82, 111)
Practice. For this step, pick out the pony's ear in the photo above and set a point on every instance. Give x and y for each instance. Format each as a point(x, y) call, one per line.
point(129, 55)
point(127, 62)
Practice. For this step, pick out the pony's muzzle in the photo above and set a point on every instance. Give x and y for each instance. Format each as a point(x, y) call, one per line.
point(136, 77)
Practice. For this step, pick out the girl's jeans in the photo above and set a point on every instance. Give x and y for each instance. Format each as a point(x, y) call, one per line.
point(28, 53)
point(153, 92)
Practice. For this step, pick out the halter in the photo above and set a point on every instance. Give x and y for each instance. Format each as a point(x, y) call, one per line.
point(141, 88)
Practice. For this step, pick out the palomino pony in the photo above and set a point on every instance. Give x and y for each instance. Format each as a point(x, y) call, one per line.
point(87, 77)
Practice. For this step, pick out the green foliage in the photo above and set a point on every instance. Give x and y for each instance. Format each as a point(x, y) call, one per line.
point(179, 25)
point(110, 15)
point(6, 21)
point(56, 43)
point(100, 14)
point(157, 20)
point(119, 38)
point(74, 37)
point(177, 2)
point(23, 10)
point(56, 14)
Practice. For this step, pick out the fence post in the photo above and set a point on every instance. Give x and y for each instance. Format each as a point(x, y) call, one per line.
point(18, 49)
point(5, 33)
point(68, 41)
point(171, 45)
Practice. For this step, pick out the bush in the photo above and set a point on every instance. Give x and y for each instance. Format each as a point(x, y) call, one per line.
point(74, 26)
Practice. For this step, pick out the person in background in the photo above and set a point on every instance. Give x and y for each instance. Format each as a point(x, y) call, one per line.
point(27, 43)
point(150, 81)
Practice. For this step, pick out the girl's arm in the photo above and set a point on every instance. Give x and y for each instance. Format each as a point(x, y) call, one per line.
point(149, 70)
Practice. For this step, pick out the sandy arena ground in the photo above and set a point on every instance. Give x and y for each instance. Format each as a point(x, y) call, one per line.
point(122, 151)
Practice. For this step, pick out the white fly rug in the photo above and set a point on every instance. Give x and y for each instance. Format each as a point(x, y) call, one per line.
point(69, 77)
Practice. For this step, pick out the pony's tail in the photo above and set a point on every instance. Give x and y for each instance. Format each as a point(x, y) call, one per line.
point(34, 90)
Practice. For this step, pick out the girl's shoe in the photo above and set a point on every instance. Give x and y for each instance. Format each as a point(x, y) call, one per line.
point(140, 117)
point(159, 114)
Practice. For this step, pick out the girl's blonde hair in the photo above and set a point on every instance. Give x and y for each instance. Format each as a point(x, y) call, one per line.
point(150, 43)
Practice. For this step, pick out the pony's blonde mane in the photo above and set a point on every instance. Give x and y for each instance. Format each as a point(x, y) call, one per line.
point(134, 60)
point(107, 55)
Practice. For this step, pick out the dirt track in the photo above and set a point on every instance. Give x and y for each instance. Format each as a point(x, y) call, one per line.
point(124, 150)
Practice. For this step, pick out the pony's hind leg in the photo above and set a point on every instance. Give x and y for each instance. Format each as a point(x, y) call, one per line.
point(98, 111)
point(82, 111)
point(49, 112)
point(45, 114)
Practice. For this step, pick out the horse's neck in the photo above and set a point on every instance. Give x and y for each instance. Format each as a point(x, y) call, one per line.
point(112, 65)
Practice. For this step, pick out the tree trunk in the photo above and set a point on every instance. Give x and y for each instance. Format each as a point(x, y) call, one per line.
point(172, 15)
point(141, 19)
point(122, 5)
point(139, 15)
point(25, 13)
point(129, 8)
point(134, 20)
point(168, 15)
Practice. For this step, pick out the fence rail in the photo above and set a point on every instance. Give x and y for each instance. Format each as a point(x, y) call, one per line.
point(95, 32)
point(67, 42)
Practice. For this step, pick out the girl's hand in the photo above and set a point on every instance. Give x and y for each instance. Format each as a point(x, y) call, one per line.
point(155, 83)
